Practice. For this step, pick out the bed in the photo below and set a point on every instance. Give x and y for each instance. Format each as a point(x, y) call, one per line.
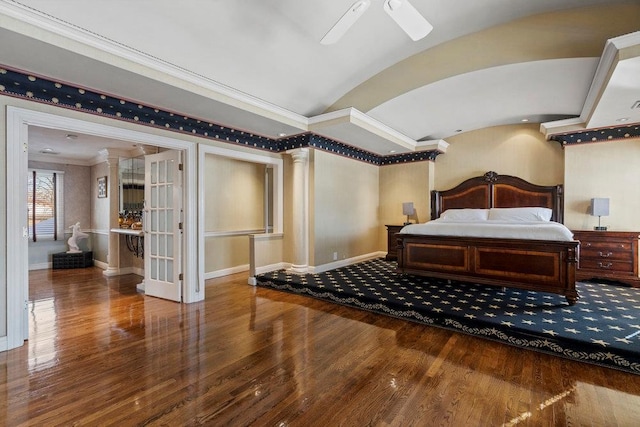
point(535, 261)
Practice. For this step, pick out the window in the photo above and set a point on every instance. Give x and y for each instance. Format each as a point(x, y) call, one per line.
point(44, 204)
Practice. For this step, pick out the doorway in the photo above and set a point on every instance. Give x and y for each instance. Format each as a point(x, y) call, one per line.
point(18, 122)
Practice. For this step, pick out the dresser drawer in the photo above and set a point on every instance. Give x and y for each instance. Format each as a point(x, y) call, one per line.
point(605, 246)
point(605, 253)
point(605, 265)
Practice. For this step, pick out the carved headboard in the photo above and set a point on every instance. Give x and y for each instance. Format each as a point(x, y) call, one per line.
point(498, 191)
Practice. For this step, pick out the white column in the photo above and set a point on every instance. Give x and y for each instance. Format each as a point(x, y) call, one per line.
point(300, 203)
point(113, 256)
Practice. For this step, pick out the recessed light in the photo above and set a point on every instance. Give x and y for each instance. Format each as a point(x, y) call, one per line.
point(71, 136)
point(622, 119)
point(48, 151)
point(392, 151)
point(281, 134)
point(525, 120)
point(458, 130)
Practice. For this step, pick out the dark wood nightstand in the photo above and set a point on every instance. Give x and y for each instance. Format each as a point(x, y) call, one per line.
point(610, 255)
point(392, 244)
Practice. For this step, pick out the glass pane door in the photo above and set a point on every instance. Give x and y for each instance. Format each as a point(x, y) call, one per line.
point(163, 236)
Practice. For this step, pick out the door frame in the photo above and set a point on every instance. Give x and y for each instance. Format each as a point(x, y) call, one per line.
point(18, 122)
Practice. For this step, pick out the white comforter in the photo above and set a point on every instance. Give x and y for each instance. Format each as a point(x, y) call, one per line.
point(539, 230)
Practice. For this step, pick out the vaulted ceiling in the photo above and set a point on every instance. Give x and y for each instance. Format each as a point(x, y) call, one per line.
point(259, 65)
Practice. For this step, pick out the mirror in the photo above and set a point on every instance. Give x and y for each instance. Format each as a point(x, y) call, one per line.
point(131, 174)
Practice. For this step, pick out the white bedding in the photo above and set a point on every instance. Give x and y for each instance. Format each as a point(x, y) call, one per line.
point(534, 230)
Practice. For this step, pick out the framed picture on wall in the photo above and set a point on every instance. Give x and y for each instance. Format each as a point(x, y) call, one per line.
point(102, 186)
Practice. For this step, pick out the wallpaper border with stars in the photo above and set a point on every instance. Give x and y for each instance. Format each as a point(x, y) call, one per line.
point(18, 84)
point(22, 85)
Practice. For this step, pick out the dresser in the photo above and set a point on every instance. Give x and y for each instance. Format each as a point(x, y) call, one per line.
point(392, 244)
point(610, 255)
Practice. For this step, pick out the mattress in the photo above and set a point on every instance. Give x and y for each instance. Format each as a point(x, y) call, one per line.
point(535, 230)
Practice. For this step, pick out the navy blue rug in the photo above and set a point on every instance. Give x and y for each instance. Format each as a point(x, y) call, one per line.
point(602, 328)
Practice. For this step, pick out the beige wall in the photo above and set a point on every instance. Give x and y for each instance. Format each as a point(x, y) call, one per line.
point(234, 201)
point(345, 204)
point(225, 252)
point(605, 169)
point(519, 150)
point(407, 182)
point(234, 194)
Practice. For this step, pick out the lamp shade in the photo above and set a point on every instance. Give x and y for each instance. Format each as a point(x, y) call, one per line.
point(407, 208)
point(600, 207)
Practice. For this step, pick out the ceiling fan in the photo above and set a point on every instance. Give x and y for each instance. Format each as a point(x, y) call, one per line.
point(401, 11)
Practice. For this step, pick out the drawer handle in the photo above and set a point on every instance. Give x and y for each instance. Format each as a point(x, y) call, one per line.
point(605, 265)
point(607, 255)
point(587, 244)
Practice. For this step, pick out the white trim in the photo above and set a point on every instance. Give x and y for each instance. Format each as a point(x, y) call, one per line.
point(103, 265)
point(41, 266)
point(323, 124)
point(232, 233)
point(317, 269)
point(103, 232)
point(548, 129)
point(226, 271)
point(17, 233)
point(18, 122)
point(343, 263)
point(273, 267)
point(131, 270)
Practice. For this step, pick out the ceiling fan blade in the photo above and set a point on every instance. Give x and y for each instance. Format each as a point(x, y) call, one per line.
point(348, 19)
point(408, 18)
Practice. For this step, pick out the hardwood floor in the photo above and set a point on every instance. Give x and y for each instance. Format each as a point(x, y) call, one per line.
point(100, 353)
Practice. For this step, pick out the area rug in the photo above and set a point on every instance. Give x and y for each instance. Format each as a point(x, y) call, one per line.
point(603, 328)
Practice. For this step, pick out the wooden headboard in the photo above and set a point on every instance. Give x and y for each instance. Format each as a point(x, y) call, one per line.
point(498, 191)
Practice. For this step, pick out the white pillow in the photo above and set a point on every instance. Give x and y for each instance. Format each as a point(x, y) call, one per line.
point(465, 215)
point(520, 214)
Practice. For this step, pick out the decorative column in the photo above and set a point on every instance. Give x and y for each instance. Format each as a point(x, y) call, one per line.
point(300, 203)
point(113, 256)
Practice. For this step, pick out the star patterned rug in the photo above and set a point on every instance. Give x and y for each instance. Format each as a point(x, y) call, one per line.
point(602, 328)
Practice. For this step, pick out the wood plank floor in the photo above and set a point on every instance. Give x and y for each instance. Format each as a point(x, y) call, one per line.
point(100, 353)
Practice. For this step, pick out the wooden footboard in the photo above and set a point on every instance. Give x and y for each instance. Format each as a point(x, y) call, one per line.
point(544, 266)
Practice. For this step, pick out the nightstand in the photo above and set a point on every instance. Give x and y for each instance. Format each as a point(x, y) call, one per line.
point(610, 255)
point(392, 244)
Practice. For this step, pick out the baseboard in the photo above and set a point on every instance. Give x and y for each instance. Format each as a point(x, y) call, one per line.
point(131, 270)
point(41, 266)
point(102, 265)
point(226, 271)
point(273, 267)
point(344, 262)
point(320, 268)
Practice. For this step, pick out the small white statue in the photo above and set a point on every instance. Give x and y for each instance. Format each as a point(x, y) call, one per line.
point(76, 236)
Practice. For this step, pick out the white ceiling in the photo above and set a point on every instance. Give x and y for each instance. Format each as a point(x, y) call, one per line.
point(259, 66)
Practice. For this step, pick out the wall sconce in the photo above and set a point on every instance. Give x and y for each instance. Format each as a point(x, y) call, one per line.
point(408, 210)
point(599, 208)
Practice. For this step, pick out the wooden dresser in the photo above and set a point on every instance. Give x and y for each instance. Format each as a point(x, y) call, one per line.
point(610, 255)
point(392, 252)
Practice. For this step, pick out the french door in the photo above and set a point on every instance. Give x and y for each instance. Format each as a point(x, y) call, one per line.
point(163, 225)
